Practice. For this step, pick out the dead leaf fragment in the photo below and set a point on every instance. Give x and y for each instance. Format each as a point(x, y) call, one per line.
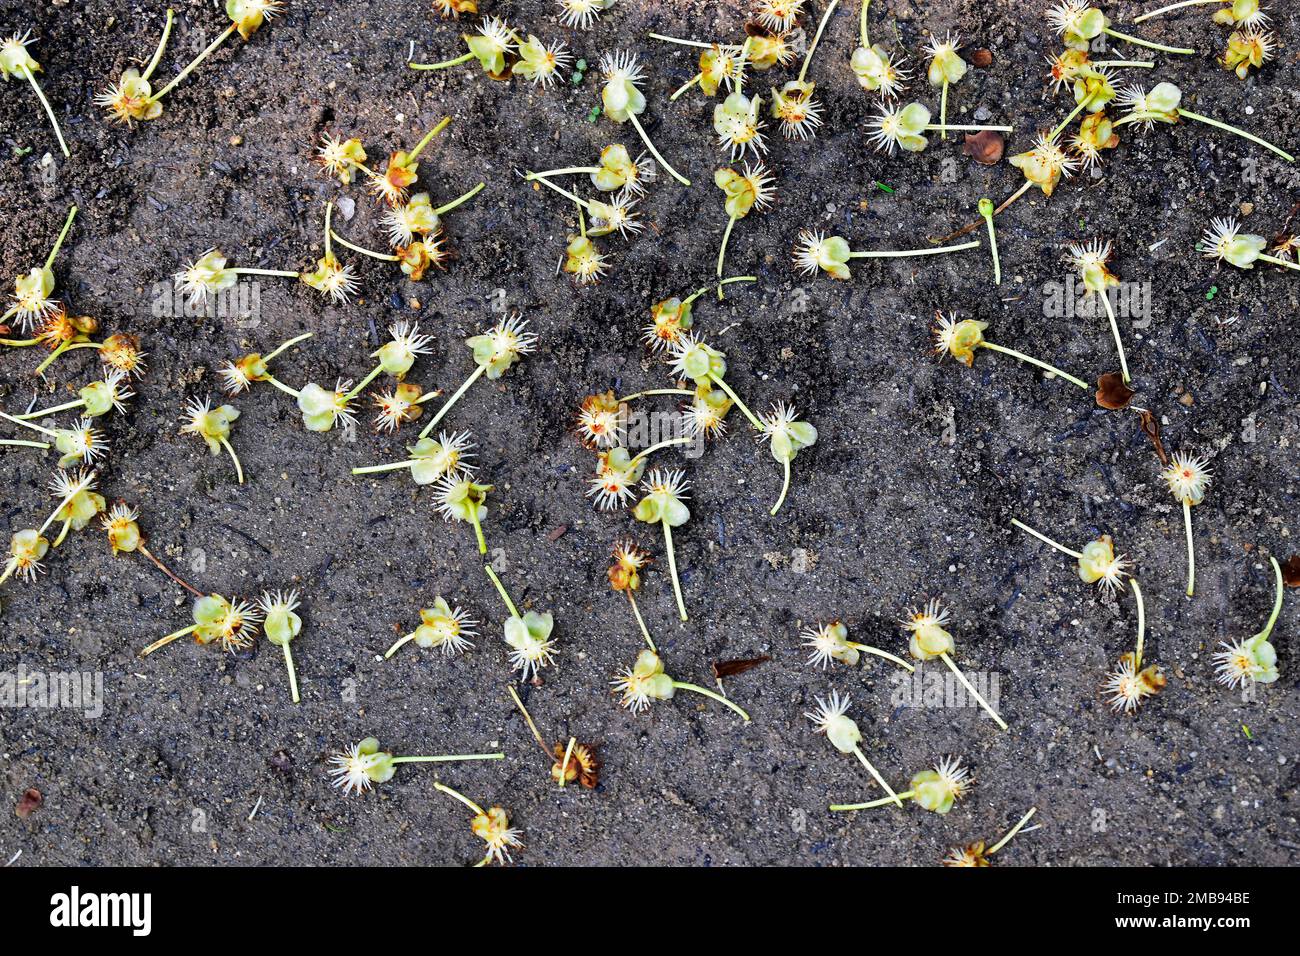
point(1112, 393)
point(29, 804)
point(723, 669)
point(985, 147)
point(1291, 571)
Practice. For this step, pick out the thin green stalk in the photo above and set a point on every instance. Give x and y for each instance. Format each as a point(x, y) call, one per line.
point(459, 796)
point(1191, 549)
point(645, 631)
point(1277, 601)
point(361, 250)
point(1033, 361)
point(862, 24)
point(1046, 540)
point(1178, 6)
point(195, 62)
point(445, 64)
point(645, 138)
point(695, 688)
point(672, 569)
point(1014, 830)
point(446, 407)
point(894, 798)
point(287, 345)
point(868, 649)
point(898, 254)
point(871, 805)
point(49, 110)
point(293, 677)
point(1240, 132)
point(1147, 43)
point(970, 688)
point(441, 125)
point(239, 469)
point(501, 589)
point(466, 197)
point(821, 27)
point(785, 487)
point(63, 234)
point(1119, 342)
point(23, 443)
point(753, 419)
point(448, 758)
point(162, 45)
point(986, 210)
point(1141, 625)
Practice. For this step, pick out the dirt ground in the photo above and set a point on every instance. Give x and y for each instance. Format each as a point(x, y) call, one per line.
point(907, 495)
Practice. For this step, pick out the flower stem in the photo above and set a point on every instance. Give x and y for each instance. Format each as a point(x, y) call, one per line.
point(986, 210)
point(785, 487)
point(898, 254)
point(441, 125)
point(66, 406)
point(381, 256)
point(449, 758)
point(1147, 43)
point(1070, 119)
point(293, 677)
point(162, 45)
point(680, 42)
point(285, 273)
point(862, 24)
point(1191, 549)
point(282, 387)
point(672, 569)
point(446, 406)
point(943, 112)
point(478, 528)
point(565, 171)
point(501, 589)
point(376, 469)
point(1279, 262)
point(287, 345)
point(464, 198)
point(63, 234)
point(585, 204)
point(54, 356)
point(163, 642)
point(211, 48)
point(655, 391)
point(528, 719)
point(722, 251)
point(685, 86)
point(568, 754)
point(1277, 601)
point(398, 645)
point(1033, 361)
point(23, 443)
point(35, 428)
point(1141, 625)
point(1046, 540)
point(445, 64)
point(1013, 197)
point(370, 377)
point(1177, 6)
point(753, 419)
point(645, 632)
point(1137, 64)
point(1240, 132)
point(972, 129)
point(830, 7)
point(893, 797)
point(168, 571)
point(459, 796)
point(972, 691)
point(842, 807)
point(239, 469)
point(868, 649)
point(1119, 342)
point(1013, 831)
point(655, 153)
point(49, 111)
point(696, 689)
point(666, 443)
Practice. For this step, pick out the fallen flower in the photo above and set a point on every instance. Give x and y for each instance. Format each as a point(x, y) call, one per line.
point(363, 765)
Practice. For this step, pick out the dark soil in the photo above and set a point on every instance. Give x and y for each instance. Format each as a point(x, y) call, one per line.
point(884, 512)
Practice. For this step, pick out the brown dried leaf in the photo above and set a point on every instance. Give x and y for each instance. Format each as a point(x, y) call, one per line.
point(1291, 571)
point(982, 58)
point(985, 147)
point(1151, 428)
point(723, 669)
point(29, 804)
point(1112, 393)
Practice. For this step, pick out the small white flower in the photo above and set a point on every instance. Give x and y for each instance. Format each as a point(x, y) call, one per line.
point(351, 769)
point(1188, 477)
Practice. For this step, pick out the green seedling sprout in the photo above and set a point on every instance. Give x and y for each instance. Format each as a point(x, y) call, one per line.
point(961, 338)
point(229, 620)
point(974, 854)
point(495, 46)
point(1188, 477)
point(664, 504)
point(606, 217)
point(946, 68)
point(1230, 12)
point(831, 254)
point(986, 211)
point(121, 524)
point(98, 398)
point(432, 460)
point(1089, 260)
point(625, 576)
point(1080, 24)
point(529, 635)
point(1249, 47)
point(494, 352)
point(491, 826)
point(830, 719)
point(830, 642)
point(1253, 660)
point(80, 445)
point(16, 61)
point(213, 426)
point(132, 98)
point(441, 626)
point(1161, 105)
point(872, 65)
point(929, 640)
point(361, 766)
point(281, 625)
point(623, 101)
point(1225, 242)
point(752, 189)
point(238, 376)
point(935, 790)
point(32, 292)
point(571, 761)
point(645, 681)
point(904, 128)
